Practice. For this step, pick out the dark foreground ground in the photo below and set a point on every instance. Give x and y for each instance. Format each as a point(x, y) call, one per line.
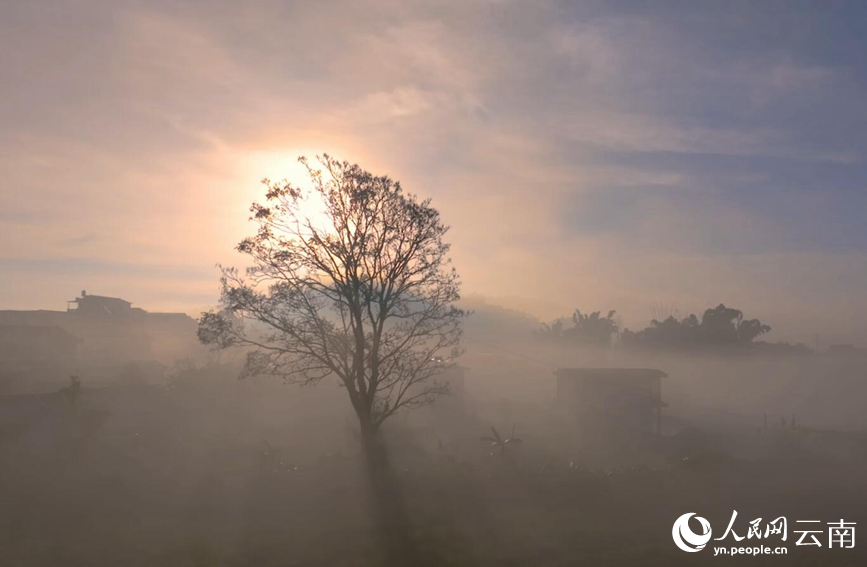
point(140, 481)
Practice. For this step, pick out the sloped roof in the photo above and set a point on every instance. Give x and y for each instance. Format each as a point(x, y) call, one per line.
point(101, 298)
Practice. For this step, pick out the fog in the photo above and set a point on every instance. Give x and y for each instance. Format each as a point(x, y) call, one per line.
point(389, 283)
point(137, 462)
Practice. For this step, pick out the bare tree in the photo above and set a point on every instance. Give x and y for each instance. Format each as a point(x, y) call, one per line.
point(361, 290)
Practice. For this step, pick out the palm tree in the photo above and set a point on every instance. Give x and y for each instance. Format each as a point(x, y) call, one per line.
point(498, 441)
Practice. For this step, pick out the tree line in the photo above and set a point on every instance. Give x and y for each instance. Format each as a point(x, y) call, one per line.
point(720, 327)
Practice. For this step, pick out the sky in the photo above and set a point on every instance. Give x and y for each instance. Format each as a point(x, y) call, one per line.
point(637, 156)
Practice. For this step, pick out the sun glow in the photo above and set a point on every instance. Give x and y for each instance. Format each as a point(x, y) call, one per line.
point(281, 165)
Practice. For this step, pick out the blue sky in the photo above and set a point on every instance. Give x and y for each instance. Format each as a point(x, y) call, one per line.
point(598, 155)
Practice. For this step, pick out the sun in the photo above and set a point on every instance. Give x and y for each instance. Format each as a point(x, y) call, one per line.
point(279, 165)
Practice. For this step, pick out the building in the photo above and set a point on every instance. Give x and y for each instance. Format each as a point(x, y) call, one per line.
point(610, 402)
point(35, 353)
point(112, 332)
point(37, 345)
point(100, 306)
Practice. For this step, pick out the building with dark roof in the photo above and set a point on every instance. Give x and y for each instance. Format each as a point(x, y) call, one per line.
point(23, 344)
point(112, 332)
point(35, 353)
point(612, 401)
point(99, 306)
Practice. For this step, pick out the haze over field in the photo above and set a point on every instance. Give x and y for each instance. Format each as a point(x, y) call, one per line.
point(553, 283)
point(606, 155)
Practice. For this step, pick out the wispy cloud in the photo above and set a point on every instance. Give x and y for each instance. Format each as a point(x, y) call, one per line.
point(589, 152)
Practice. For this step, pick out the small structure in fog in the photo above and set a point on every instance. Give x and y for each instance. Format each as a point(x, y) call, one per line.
point(35, 352)
point(100, 305)
point(612, 401)
point(96, 335)
point(37, 345)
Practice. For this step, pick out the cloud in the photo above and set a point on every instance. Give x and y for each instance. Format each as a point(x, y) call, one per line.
point(594, 154)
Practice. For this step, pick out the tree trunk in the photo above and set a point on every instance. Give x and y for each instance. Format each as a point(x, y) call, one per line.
point(374, 453)
point(386, 500)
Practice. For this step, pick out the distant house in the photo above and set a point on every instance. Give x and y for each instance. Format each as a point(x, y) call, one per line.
point(113, 332)
point(612, 401)
point(37, 345)
point(35, 353)
point(100, 306)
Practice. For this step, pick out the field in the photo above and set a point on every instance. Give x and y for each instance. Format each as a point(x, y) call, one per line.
point(245, 474)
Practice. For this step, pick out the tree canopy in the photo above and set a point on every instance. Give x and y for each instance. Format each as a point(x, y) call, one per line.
point(720, 326)
point(587, 329)
point(349, 278)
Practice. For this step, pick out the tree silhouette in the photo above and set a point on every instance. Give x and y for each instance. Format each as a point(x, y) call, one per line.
point(720, 326)
point(364, 292)
point(588, 329)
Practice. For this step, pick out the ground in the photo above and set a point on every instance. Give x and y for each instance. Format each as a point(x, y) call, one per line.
point(166, 488)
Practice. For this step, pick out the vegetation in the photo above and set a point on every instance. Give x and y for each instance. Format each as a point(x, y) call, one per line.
point(500, 443)
point(719, 327)
point(207, 490)
point(587, 329)
point(361, 290)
